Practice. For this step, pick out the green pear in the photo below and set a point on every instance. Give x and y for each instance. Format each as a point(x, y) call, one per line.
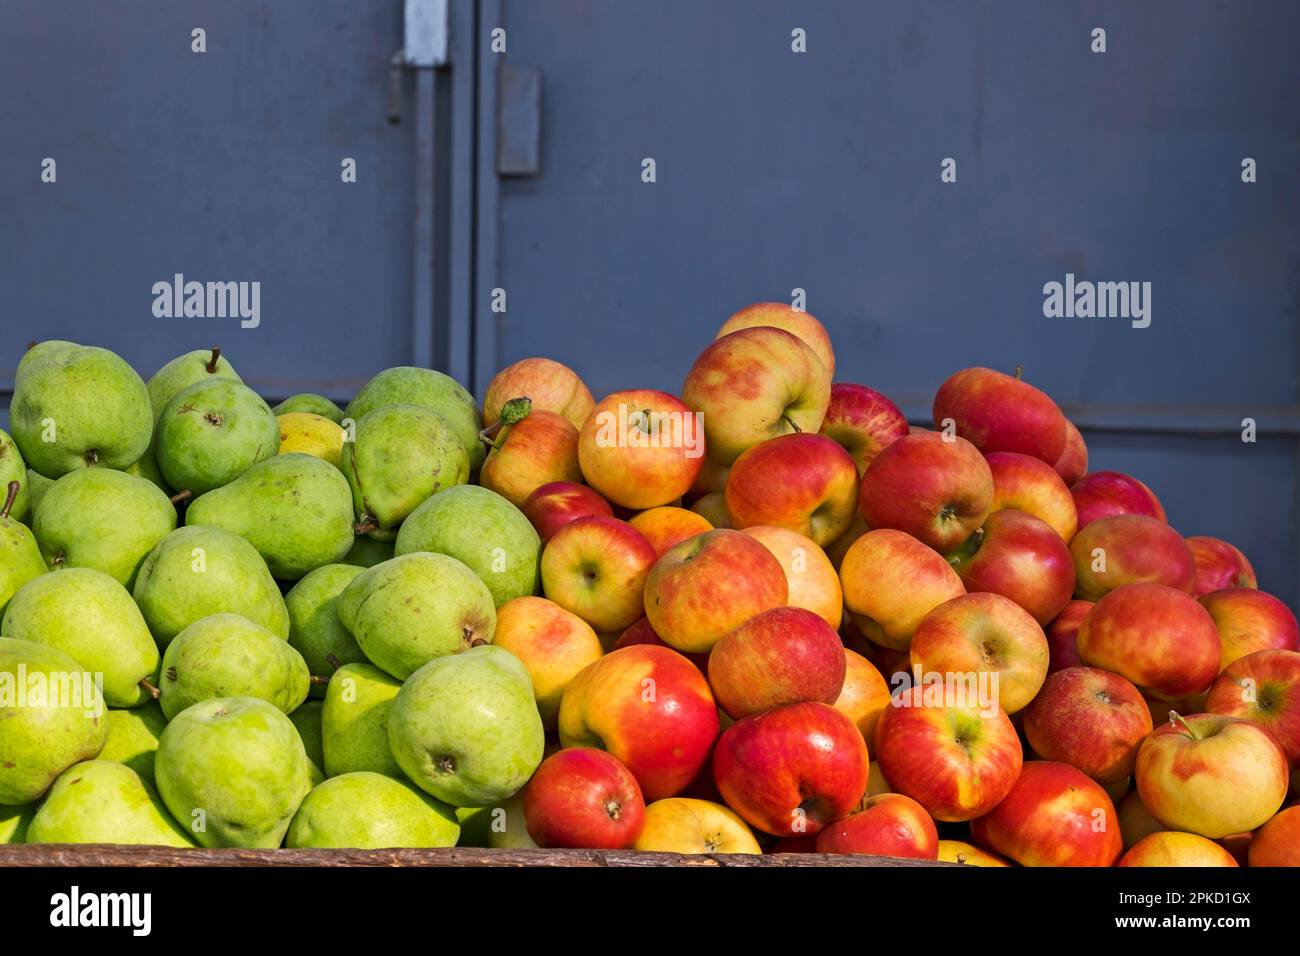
point(75, 406)
point(307, 720)
point(100, 801)
point(482, 530)
point(465, 728)
point(401, 455)
point(89, 616)
point(430, 389)
point(183, 371)
point(13, 468)
point(211, 432)
point(233, 771)
point(14, 822)
point(296, 511)
point(51, 716)
point(146, 467)
point(414, 608)
point(369, 550)
point(316, 775)
point(315, 630)
point(196, 571)
point(37, 485)
point(20, 557)
point(354, 721)
point(102, 519)
point(368, 811)
point(314, 404)
point(225, 655)
point(509, 830)
point(133, 738)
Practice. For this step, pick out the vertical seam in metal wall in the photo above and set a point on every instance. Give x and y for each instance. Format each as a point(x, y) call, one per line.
point(487, 206)
point(463, 192)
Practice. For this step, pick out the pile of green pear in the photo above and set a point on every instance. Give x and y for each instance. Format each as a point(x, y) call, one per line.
point(207, 642)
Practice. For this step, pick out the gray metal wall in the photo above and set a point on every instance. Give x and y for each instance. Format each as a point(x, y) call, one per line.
point(775, 170)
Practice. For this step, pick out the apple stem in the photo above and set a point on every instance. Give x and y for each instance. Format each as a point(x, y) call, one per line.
point(791, 422)
point(1020, 370)
point(181, 496)
point(486, 435)
point(154, 692)
point(1176, 718)
point(212, 362)
point(10, 497)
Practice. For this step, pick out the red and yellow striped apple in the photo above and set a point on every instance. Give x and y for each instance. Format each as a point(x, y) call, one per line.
point(597, 568)
point(935, 488)
point(865, 694)
point(1054, 815)
point(553, 644)
point(1091, 719)
point(550, 385)
point(649, 707)
point(886, 825)
point(1102, 494)
point(583, 798)
point(1073, 463)
point(1158, 637)
point(553, 505)
point(641, 448)
point(1063, 636)
point(1264, 688)
point(1021, 558)
point(709, 584)
point(998, 412)
point(1173, 848)
point(1029, 484)
point(1277, 842)
point(782, 316)
point(805, 483)
point(1129, 549)
point(811, 580)
point(1219, 565)
point(863, 421)
point(667, 526)
point(891, 581)
point(534, 451)
point(689, 825)
point(792, 770)
point(1250, 620)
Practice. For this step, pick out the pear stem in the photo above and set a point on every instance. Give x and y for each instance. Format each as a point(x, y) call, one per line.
point(1177, 718)
point(32, 345)
point(212, 362)
point(11, 495)
point(333, 661)
point(154, 692)
point(1020, 370)
point(319, 681)
point(181, 496)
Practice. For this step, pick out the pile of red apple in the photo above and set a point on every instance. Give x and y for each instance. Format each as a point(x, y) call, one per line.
point(826, 631)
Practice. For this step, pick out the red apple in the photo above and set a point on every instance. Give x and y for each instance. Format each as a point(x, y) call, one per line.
point(1102, 494)
point(553, 505)
point(596, 567)
point(781, 656)
point(1073, 463)
point(1135, 820)
point(648, 706)
point(1159, 638)
point(1264, 688)
point(1277, 843)
point(984, 634)
point(1091, 719)
point(792, 770)
point(583, 798)
point(890, 582)
point(1211, 774)
point(1000, 413)
point(709, 584)
point(1129, 549)
point(865, 694)
point(1054, 816)
point(797, 322)
point(641, 448)
point(863, 421)
point(1021, 558)
point(553, 644)
point(666, 526)
point(886, 825)
point(1219, 565)
point(1028, 484)
point(642, 633)
point(1063, 636)
point(1250, 620)
point(1170, 848)
point(552, 386)
point(936, 488)
point(953, 753)
point(535, 451)
point(755, 384)
point(805, 483)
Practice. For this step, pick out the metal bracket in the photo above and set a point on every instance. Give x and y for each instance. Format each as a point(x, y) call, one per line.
point(519, 121)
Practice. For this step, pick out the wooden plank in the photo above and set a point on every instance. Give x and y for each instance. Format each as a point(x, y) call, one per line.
point(155, 856)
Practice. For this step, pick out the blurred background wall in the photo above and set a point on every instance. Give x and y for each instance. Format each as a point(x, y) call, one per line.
point(775, 170)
